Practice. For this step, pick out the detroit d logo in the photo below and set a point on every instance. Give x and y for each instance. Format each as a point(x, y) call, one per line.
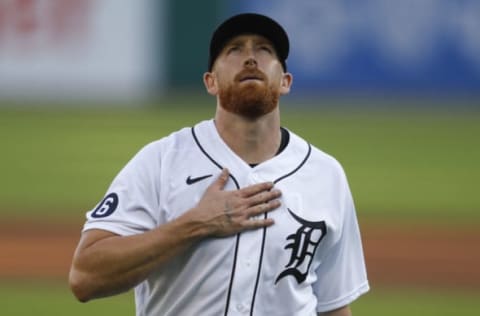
point(303, 245)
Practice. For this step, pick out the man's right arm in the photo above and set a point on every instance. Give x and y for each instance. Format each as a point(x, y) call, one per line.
point(105, 264)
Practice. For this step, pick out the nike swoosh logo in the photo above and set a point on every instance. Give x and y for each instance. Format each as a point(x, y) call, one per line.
point(191, 180)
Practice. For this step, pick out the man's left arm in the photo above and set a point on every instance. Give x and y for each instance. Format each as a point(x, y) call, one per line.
point(342, 311)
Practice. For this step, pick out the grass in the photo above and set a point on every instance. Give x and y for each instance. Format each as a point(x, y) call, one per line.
point(416, 302)
point(59, 162)
point(411, 165)
point(42, 299)
point(421, 163)
point(46, 299)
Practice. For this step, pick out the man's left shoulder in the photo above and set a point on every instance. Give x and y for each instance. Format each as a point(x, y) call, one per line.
point(317, 155)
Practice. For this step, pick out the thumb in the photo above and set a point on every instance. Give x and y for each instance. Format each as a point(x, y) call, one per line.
point(222, 179)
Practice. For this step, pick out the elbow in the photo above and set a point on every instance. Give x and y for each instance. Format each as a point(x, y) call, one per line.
point(80, 287)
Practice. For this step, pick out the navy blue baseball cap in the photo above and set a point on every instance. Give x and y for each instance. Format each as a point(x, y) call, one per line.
point(249, 23)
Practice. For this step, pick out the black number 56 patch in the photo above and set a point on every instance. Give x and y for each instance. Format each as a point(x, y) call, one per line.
point(107, 206)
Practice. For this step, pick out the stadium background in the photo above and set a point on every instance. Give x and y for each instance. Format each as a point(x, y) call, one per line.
point(390, 88)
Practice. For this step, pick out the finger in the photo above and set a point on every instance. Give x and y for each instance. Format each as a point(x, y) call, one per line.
point(264, 207)
point(221, 181)
point(258, 223)
point(227, 213)
point(255, 189)
point(264, 197)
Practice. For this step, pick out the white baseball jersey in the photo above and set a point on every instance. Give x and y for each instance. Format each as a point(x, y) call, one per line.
point(309, 261)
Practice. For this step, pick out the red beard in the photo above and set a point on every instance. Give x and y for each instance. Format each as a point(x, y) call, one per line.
point(250, 100)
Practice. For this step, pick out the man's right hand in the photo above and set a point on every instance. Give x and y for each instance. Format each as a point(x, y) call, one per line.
point(223, 213)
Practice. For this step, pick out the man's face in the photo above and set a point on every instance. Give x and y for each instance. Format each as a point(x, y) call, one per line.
point(249, 76)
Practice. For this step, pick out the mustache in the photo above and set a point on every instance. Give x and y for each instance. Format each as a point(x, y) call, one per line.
point(250, 74)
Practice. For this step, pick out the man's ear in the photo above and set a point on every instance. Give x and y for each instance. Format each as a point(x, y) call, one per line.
point(210, 82)
point(286, 83)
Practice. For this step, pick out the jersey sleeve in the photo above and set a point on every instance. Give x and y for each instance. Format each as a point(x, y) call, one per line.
point(131, 203)
point(342, 277)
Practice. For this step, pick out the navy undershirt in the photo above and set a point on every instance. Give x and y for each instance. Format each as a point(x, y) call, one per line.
point(285, 137)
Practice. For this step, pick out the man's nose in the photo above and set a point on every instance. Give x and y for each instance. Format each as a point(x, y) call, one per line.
point(250, 62)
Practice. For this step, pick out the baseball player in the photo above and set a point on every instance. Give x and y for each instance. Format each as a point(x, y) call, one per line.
point(235, 215)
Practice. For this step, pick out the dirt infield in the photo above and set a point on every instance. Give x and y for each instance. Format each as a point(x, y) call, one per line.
point(399, 255)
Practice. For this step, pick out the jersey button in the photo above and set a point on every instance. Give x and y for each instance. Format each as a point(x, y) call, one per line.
point(242, 308)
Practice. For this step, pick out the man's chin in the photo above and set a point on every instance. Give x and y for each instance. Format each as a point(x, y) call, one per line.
point(251, 109)
point(249, 99)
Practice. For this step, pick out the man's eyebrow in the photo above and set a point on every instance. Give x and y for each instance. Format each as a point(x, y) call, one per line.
point(259, 41)
point(235, 42)
point(263, 41)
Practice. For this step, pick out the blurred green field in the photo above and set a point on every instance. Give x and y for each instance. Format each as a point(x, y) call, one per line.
point(59, 161)
point(411, 165)
point(46, 299)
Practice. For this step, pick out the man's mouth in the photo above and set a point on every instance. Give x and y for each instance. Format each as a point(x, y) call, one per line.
point(249, 78)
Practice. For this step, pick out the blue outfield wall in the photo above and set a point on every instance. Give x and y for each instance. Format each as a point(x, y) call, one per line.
point(378, 46)
point(122, 51)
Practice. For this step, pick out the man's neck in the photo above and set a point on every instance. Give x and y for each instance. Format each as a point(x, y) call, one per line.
point(254, 141)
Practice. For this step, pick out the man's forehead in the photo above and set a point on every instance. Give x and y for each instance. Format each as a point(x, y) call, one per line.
point(243, 38)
